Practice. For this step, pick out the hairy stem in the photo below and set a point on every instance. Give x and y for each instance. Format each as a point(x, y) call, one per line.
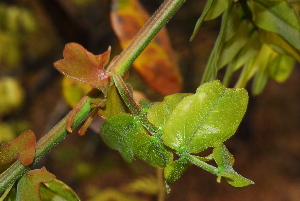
point(120, 65)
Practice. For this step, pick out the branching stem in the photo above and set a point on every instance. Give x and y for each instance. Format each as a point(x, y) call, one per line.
point(120, 65)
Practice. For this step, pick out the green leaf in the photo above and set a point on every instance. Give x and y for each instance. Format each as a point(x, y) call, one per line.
point(212, 9)
point(281, 68)
point(231, 48)
point(216, 9)
point(223, 157)
point(262, 75)
point(225, 161)
point(247, 52)
point(174, 170)
point(118, 132)
point(235, 179)
point(278, 17)
point(151, 150)
point(159, 113)
point(57, 190)
point(205, 119)
point(261, 60)
point(114, 104)
point(29, 185)
point(278, 44)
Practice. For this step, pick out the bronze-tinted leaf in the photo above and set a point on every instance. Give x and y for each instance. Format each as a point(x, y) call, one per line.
point(81, 65)
point(22, 148)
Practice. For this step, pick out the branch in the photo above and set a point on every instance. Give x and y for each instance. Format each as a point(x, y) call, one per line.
point(120, 65)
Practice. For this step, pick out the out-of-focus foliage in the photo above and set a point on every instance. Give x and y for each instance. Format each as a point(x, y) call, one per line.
point(11, 93)
point(260, 37)
point(15, 24)
point(157, 64)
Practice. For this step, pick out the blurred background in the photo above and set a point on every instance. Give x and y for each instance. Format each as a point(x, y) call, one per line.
point(32, 36)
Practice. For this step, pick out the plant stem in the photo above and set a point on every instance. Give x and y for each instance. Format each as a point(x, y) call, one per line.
point(145, 35)
point(121, 65)
point(161, 187)
point(199, 163)
point(44, 145)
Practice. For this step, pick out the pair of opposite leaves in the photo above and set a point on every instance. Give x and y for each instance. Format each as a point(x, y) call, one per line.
point(188, 123)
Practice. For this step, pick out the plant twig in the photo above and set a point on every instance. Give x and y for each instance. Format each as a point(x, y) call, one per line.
point(120, 65)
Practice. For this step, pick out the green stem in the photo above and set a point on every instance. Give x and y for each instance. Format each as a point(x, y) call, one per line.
point(145, 35)
point(211, 69)
point(200, 163)
point(44, 145)
point(161, 187)
point(120, 65)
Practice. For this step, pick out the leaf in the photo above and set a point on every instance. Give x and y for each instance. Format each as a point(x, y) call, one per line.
point(73, 90)
point(29, 185)
point(223, 157)
point(157, 63)
point(217, 8)
point(278, 17)
point(231, 48)
point(262, 75)
point(96, 100)
point(159, 113)
point(118, 132)
point(205, 119)
point(174, 170)
point(81, 65)
point(235, 179)
point(22, 148)
point(151, 150)
point(114, 103)
point(225, 161)
point(261, 60)
point(57, 190)
point(212, 9)
point(278, 44)
point(281, 68)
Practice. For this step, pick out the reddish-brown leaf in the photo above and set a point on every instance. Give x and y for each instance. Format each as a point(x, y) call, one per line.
point(156, 64)
point(22, 148)
point(81, 65)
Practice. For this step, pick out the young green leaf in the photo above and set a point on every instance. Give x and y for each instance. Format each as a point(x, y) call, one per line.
point(29, 184)
point(205, 119)
point(174, 170)
point(223, 157)
point(118, 132)
point(114, 103)
point(235, 179)
point(151, 150)
point(22, 148)
point(81, 65)
point(225, 161)
point(57, 190)
point(159, 113)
